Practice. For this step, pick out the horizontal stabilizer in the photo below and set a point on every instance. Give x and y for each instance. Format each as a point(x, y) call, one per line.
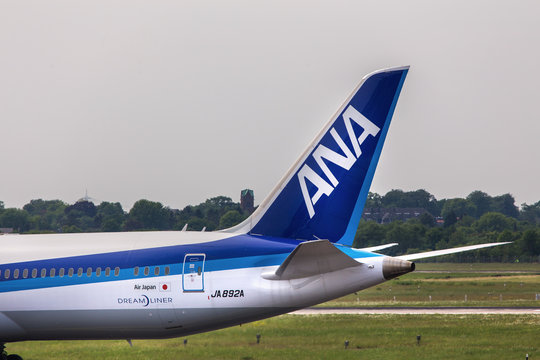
point(448, 251)
point(312, 258)
point(377, 248)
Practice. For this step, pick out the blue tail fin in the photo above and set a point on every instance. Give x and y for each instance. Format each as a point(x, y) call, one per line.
point(322, 196)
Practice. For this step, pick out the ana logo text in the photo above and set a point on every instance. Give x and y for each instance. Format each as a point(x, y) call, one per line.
point(346, 161)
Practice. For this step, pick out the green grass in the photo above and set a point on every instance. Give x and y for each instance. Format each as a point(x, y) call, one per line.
point(450, 284)
point(322, 337)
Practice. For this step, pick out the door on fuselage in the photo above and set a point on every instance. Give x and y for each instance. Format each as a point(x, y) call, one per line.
point(193, 273)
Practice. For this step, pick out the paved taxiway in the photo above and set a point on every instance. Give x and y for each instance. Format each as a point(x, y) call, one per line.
point(425, 310)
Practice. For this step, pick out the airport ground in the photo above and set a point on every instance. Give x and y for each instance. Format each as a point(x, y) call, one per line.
point(464, 335)
point(454, 285)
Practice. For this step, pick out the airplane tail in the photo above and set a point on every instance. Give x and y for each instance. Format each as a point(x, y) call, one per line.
point(323, 194)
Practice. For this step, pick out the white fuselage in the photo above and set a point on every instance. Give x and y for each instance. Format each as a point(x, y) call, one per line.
point(215, 293)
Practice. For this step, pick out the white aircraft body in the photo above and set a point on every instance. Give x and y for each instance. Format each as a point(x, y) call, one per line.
point(294, 251)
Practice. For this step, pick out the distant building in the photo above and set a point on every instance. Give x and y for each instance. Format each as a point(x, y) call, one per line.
point(86, 198)
point(247, 200)
point(387, 215)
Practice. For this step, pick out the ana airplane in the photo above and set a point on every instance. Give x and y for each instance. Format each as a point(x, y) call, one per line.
point(294, 251)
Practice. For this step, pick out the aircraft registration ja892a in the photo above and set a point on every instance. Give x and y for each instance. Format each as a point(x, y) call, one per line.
point(294, 251)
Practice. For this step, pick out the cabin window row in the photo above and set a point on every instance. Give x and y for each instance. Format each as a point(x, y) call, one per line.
point(25, 273)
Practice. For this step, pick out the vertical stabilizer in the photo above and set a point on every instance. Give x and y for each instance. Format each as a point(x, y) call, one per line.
point(323, 194)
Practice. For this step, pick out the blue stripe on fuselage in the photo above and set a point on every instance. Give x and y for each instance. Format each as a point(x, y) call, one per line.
point(243, 251)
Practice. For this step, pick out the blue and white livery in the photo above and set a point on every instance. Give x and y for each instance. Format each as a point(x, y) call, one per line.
point(294, 251)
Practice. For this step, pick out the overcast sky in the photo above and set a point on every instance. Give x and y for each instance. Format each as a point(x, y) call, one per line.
point(180, 101)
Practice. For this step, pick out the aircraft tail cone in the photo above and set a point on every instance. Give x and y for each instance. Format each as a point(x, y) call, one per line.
point(393, 267)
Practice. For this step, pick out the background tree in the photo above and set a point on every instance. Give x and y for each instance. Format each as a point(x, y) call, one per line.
point(427, 220)
point(530, 213)
point(230, 218)
point(458, 207)
point(409, 236)
point(373, 200)
point(530, 242)
point(394, 198)
point(80, 216)
point(411, 199)
point(15, 218)
point(495, 222)
point(46, 215)
point(450, 218)
point(109, 216)
point(87, 208)
point(481, 201)
point(505, 204)
point(207, 214)
point(435, 238)
point(148, 215)
point(369, 233)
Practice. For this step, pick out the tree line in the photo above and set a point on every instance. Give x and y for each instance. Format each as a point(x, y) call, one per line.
point(55, 216)
point(474, 219)
point(477, 218)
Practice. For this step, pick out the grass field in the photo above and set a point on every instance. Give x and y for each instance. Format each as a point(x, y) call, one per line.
point(323, 337)
point(448, 284)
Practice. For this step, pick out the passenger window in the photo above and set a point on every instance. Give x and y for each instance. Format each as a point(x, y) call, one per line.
point(116, 271)
point(25, 273)
point(146, 271)
point(107, 271)
point(16, 273)
point(98, 271)
point(89, 272)
point(136, 271)
point(156, 271)
point(6, 273)
point(79, 272)
point(70, 272)
point(34, 273)
point(52, 273)
point(167, 270)
point(61, 272)
point(43, 273)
